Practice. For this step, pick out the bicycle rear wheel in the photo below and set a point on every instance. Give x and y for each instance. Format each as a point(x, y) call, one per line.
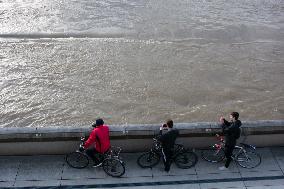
point(248, 159)
point(213, 154)
point(186, 159)
point(77, 160)
point(113, 167)
point(148, 160)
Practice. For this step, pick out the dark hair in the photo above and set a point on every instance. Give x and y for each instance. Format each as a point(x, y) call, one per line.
point(235, 115)
point(170, 123)
point(98, 122)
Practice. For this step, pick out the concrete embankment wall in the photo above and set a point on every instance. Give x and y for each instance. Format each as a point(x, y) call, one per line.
point(132, 138)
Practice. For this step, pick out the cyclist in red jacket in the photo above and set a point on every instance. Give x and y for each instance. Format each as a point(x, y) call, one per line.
point(98, 141)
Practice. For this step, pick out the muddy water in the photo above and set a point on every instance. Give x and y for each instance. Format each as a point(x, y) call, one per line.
point(66, 63)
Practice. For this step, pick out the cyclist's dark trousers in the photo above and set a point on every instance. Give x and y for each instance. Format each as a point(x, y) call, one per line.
point(167, 156)
point(91, 152)
point(229, 148)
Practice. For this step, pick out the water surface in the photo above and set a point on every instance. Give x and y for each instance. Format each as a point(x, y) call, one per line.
point(68, 62)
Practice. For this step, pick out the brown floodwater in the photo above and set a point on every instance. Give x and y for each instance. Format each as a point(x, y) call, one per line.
point(67, 63)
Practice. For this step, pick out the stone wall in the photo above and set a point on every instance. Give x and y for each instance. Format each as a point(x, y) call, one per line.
point(132, 138)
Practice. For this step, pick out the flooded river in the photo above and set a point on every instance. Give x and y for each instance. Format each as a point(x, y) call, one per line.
point(65, 63)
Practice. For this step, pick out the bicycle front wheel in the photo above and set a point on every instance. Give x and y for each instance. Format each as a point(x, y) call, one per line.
point(77, 160)
point(248, 159)
point(148, 160)
point(213, 154)
point(185, 160)
point(114, 167)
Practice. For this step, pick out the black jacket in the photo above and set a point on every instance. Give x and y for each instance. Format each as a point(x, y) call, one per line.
point(231, 131)
point(168, 139)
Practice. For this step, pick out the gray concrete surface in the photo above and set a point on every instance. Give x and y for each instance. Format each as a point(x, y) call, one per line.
point(51, 171)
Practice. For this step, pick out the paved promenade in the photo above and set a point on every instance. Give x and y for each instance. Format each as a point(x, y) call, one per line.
point(53, 172)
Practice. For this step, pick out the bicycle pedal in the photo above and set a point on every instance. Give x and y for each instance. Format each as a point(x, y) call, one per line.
point(98, 165)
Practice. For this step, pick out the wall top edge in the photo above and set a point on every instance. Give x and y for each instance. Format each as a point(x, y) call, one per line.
point(273, 124)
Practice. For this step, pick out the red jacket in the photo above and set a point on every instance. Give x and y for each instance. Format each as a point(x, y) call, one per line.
point(100, 138)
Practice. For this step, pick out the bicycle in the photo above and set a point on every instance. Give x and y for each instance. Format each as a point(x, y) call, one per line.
point(110, 160)
point(182, 157)
point(245, 155)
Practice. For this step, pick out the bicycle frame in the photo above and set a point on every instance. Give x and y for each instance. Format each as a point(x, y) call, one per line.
point(157, 149)
point(235, 155)
point(241, 149)
point(112, 152)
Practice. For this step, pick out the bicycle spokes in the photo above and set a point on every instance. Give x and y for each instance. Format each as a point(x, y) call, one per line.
point(114, 167)
point(244, 157)
point(248, 159)
point(213, 154)
point(77, 160)
point(184, 159)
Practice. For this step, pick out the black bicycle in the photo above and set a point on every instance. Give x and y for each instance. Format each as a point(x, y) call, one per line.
point(183, 158)
point(110, 160)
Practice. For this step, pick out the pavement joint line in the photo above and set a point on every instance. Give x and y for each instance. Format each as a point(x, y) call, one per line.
point(61, 177)
point(274, 157)
point(18, 169)
point(158, 183)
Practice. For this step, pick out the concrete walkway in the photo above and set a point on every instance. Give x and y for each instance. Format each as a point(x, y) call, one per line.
point(53, 172)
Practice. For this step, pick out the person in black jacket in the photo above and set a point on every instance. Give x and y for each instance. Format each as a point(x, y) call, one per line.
point(168, 140)
point(232, 132)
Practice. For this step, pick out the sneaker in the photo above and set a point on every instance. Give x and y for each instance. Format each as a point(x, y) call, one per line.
point(97, 165)
point(223, 168)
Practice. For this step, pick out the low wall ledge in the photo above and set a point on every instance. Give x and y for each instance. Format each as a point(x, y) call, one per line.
point(143, 129)
point(139, 127)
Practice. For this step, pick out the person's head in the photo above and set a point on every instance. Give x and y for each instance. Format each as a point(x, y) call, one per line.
point(170, 123)
point(234, 115)
point(99, 122)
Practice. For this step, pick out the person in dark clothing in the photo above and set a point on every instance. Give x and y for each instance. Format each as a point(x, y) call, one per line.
point(168, 140)
point(232, 132)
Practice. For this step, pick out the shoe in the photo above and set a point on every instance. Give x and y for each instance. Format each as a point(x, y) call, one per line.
point(223, 168)
point(97, 165)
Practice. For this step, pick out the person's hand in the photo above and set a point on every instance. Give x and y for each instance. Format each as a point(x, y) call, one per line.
point(164, 126)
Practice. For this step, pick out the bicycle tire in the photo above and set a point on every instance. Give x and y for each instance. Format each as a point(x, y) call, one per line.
point(113, 167)
point(213, 155)
point(77, 160)
point(148, 160)
point(249, 159)
point(186, 159)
